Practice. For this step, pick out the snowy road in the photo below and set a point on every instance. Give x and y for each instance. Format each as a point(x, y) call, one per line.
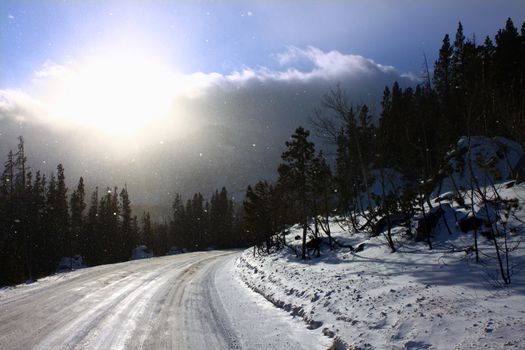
point(189, 301)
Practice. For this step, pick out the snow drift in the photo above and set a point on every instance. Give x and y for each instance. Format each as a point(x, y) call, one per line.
point(417, 298)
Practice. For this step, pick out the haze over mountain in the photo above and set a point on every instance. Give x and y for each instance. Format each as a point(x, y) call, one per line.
point(237, 127)
point(184, 98)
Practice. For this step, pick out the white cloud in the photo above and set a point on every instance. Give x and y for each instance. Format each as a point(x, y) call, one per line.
point(19, 106)
point(412, 77)
point(210, 113)
point(51, 69)
point(328, 66)
point(73, 94)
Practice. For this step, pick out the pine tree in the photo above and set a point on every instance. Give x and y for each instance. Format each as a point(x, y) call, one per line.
point(228, 217)
point(295, 175)
point(135, 230)
point(127, 235)
point(322, 186)
point(147, 230)
point(108, 226)
point(93, 239)
point(486, 75)
point(21, 203)
point(62, 214)
point(8, 176)
point(457, 62)
point(208, 238)
point(509, 55)
point(178, 230)
point(38, 210)
point(51, 239)
point(198, 220)
point(221, 218)
point(7, 244)
point(258, 215)
point(443, 71)
point(78, 205)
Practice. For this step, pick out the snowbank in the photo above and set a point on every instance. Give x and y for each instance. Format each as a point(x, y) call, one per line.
point(141, 252)
point(481, 161)
point(175, 251)
point(415, 298)
point(68, 263)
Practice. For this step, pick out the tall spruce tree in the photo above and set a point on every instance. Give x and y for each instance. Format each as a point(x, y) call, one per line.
point(93, 240)
point(77, 205)
point(21, 204)
point(295, 176)
point(259, 215)
point(108, 226)
point(178, 230)
point(221, 218)
point(443, 70)
point(61, 212)
point(38, 210)
point(147, 230)
point(126, 228)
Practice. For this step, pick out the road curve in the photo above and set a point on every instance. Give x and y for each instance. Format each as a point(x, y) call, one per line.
point(162, 303)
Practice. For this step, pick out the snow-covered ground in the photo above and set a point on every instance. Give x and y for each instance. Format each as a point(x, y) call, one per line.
point(412, 299)
point(415, 298)
point(185, 301)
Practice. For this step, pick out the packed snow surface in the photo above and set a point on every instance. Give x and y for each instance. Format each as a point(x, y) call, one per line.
point(415, 298)
point(185, 301)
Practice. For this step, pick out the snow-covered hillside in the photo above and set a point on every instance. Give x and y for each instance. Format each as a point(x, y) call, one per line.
point(416, 298)
point(481, 160)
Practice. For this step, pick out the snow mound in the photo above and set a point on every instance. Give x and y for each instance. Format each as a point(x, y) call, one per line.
point(141, 252)
point(68, 263)
point(480, 161)
point(415, 298)
point(175, 251)
point(388, 180)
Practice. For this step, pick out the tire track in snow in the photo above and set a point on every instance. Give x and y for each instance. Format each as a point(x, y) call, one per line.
point(162, 303)
point(111, 323)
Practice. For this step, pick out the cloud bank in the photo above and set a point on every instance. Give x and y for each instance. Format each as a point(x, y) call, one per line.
point(216, 129)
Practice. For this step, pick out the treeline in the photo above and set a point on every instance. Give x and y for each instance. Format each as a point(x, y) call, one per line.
point(200, 223)
point(474, 89)
point(40, 222)
point(303, 193)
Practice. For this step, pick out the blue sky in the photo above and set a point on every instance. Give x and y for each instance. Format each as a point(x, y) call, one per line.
point(222, 36)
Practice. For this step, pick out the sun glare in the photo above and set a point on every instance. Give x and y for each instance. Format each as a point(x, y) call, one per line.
point(119, 94)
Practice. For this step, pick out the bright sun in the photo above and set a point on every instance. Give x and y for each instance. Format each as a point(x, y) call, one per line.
point(117, 94)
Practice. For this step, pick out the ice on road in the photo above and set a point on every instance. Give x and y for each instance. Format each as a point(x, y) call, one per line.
point(188, 301)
